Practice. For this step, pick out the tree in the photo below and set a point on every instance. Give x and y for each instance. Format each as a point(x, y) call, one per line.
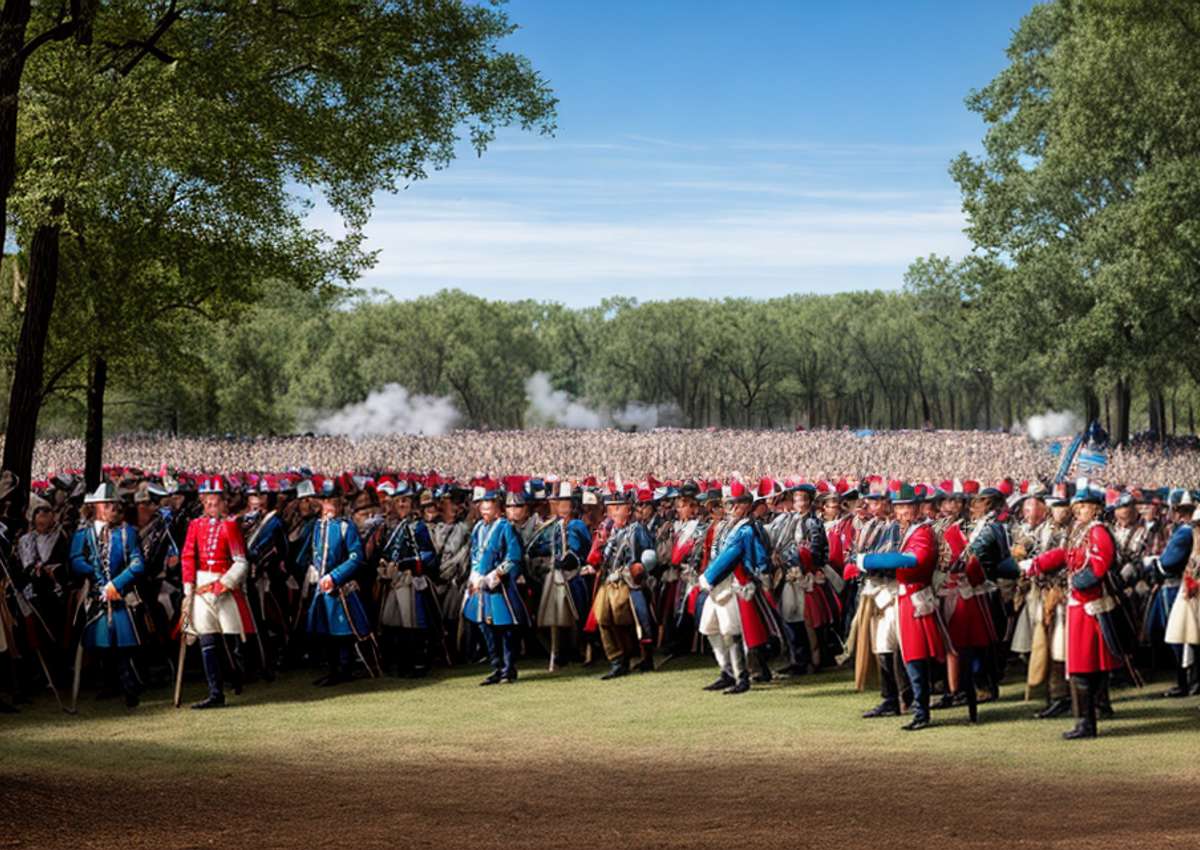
point(1087, 191)
point(253, 109)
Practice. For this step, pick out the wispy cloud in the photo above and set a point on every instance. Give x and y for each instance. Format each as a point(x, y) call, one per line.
point(655, 218)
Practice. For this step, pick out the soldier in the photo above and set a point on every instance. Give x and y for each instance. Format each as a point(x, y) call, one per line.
point(452, 541)
point(621, 609)
point(730, 621)
point(822, 602)
point(266, 552)
point(1041, 615)
point(987, 562)
point(565, 542)
point(917, 616)
point(107, 553)
point(214, 605)
point(1170, 567)
point(1086, 558)
point(331, 558)
point(408, 566)
point(493, 601)
point(681, 579)
point(1183, 625)
point(876, 631)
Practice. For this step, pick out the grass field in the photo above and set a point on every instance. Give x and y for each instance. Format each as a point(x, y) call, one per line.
point(563, 759)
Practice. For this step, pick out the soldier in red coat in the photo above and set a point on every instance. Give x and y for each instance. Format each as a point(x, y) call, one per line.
point(918, 618)
point(214, 603)
point(1090, 552)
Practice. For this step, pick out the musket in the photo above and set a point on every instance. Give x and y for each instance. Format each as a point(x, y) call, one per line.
point(375, 672)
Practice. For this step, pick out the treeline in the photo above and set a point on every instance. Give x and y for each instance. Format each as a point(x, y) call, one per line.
point(872, 359)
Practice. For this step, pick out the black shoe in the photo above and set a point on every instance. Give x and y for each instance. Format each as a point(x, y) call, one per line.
point(763, 678)
point(5, 708)
point(508, 680)
point(616, 671)
point(720, 684)
point(210, 702)
point(916, 723)
point(740, 688)
point(1105, 711)
point(792, 670)
point(882, 710)
point(1081, 730)
point(132, 700)
point(237, 688)
point(647, 666)
point(268, 675)
point(1055, 708)
point(947, 701)
point(493, 679)
point(1176, 692)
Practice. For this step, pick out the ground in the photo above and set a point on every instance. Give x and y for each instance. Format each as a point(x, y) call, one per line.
point(566, 760)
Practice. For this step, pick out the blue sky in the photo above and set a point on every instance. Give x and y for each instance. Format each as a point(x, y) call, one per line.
point(711, 149)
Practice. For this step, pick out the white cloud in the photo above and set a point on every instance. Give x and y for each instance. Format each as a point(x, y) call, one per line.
point(582, 220)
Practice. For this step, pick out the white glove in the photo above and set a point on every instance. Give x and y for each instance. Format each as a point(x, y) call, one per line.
point(492, 579)
point(859, 559)
point(1129, 572)
point(1150, 562)
point(189, 588)
point(704, 585)
point(474, 581)
point(1026, 565)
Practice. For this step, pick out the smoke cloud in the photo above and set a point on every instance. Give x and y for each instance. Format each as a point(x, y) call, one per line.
point(391, 410)
point(551, 408)
point(1051, 424)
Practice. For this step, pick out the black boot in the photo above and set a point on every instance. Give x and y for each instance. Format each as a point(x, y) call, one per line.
point(1085, 725)
point(972, 706)
point(129, 680)
point(617, 669)
point(1181, 684)
point(1194, 679)
point(723, 681)
point(1054, 708)
point(764, 675)
point(210, 658)
point(884, 709)
point(740, 687)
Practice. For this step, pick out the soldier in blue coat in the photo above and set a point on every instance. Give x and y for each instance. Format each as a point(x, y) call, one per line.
point(108, 553)
point(408, 611)
point(566, 596)
point(332, 557)
point(1166, 572)
point(493, 601)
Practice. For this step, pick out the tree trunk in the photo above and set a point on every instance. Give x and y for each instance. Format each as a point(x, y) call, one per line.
point(25, 399)
point(1124, 400)
point(94, 436)
point(14, 19)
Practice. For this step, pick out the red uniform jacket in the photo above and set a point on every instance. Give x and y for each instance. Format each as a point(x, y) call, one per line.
point(1086, 649)
point(919, 622)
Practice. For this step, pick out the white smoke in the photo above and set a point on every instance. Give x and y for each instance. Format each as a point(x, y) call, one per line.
point(1051, 424)
point(391, 410)
point(551, 408)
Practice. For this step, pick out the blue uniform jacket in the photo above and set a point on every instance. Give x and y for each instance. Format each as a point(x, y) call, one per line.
point(122, 567)
point(496, 547)
point(550, 544)
point(1169, 569)
point(409, 542)
point(743, 546)
point(335, 549)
